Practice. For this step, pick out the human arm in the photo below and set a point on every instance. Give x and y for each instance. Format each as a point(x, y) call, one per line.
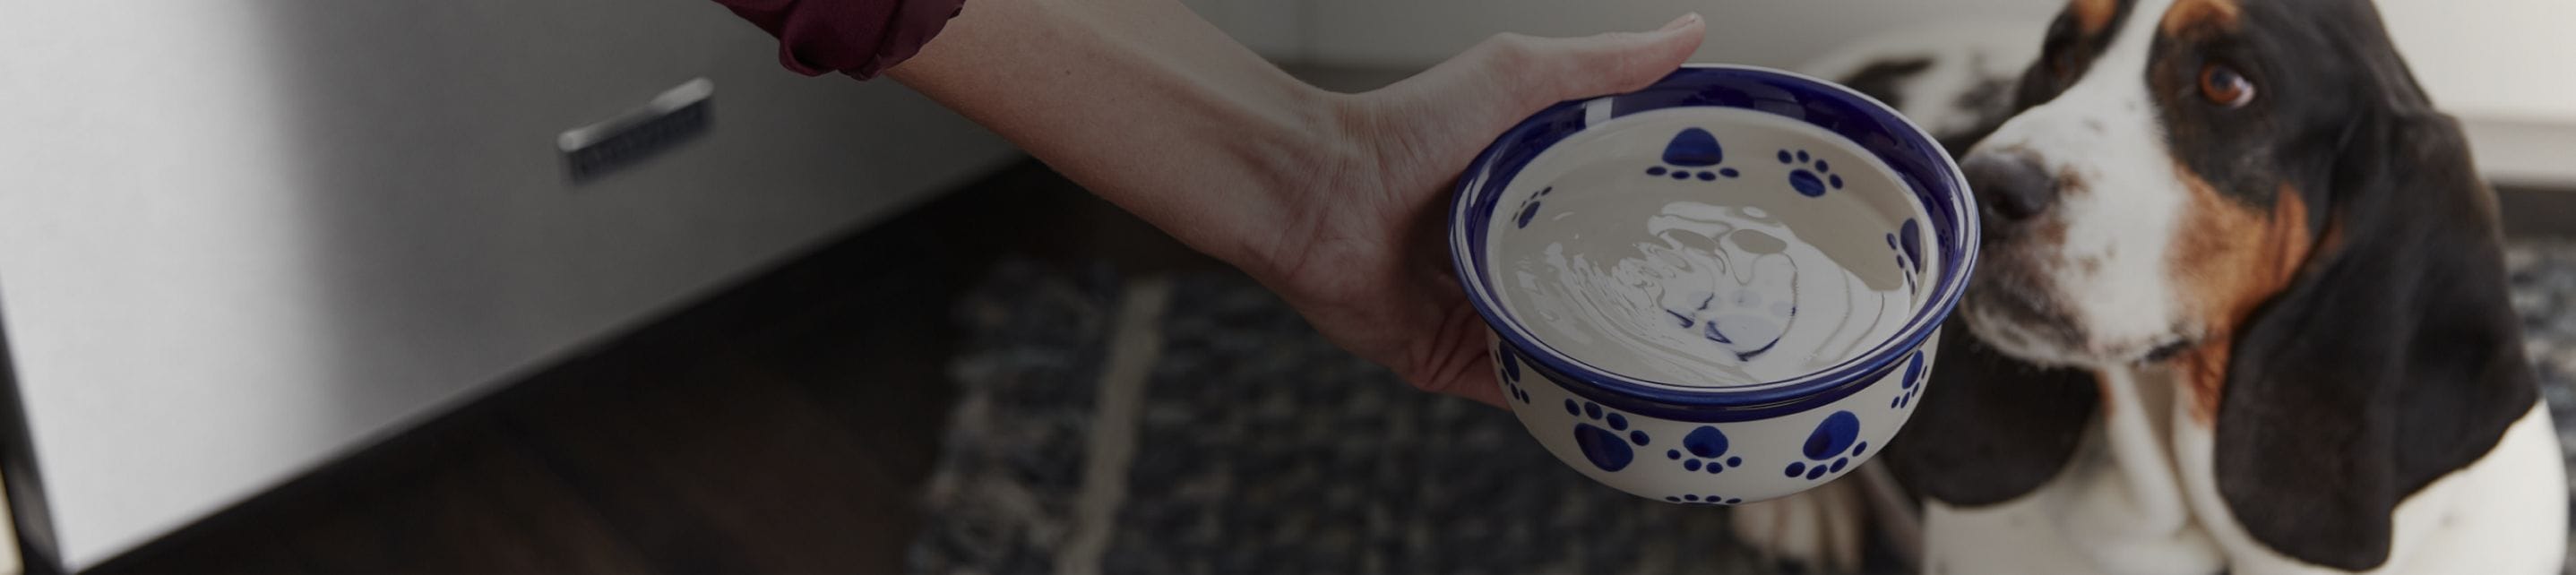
point(1331, 200)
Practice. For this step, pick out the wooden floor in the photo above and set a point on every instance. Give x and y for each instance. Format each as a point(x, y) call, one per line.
point(782, 426)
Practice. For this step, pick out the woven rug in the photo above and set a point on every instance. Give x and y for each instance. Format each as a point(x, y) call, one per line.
point(1193, 423)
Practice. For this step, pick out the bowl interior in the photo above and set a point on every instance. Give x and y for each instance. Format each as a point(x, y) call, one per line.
point(1642, 246)
point(1776, 122)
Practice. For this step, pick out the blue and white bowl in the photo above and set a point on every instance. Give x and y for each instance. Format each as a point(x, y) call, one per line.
point(1727, 443)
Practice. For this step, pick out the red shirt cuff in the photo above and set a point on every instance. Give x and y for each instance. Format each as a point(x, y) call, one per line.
point(855, 37)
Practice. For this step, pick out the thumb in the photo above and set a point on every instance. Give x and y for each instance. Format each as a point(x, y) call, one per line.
point(1512, 75)
point(1610, 63)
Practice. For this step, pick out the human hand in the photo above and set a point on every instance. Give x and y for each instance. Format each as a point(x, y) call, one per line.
point(1363, 251)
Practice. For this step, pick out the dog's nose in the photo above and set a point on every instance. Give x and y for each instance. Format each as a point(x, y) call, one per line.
point(2012, 187)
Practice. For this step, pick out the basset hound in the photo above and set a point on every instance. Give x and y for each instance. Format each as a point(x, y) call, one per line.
point(2241, 309)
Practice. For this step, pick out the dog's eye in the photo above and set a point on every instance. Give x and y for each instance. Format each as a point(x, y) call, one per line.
point(2224, 87)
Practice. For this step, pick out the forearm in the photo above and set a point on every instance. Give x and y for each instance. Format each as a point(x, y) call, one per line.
point(1333, 201)
point(1142, 102)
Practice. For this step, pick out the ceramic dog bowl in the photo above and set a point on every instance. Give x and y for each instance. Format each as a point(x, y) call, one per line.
point(1722, 288)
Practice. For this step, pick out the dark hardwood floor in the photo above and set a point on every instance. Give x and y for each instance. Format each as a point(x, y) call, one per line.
point(784, 425)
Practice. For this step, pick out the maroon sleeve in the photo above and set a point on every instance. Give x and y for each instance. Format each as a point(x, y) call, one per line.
point(855, 37)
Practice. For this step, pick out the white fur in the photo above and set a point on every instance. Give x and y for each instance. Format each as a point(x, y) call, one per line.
point(2506, 513)
point(1822, 527)
point(1827, 527)
point(2124, 217)
point(1963, 54)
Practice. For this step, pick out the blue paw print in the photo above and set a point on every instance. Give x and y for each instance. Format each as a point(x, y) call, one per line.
point(1811, 175)
point(1511, 372)
point(1703, 500)
point(1691, 149)
point(1604, 447)
point(1907, 242)
point(1529, 207)
point(1912, 383)
point(1705, 445)
point(1831, 440)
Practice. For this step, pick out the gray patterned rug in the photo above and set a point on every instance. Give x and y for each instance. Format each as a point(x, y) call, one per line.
point(1228, 437)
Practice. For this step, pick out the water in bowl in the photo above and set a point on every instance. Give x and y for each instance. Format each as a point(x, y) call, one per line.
point(1709, 247)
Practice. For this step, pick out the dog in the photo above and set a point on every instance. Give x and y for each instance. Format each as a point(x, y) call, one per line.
point(2241, 308)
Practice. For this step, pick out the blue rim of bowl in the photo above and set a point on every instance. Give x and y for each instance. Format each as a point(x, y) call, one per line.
point(1919, 161)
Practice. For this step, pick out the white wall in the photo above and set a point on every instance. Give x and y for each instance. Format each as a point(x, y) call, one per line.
point(2492, 59)
point(1275, 28)
point(1412, 33)
point(238, 238)
point(2504, 67)
point(2501, 65)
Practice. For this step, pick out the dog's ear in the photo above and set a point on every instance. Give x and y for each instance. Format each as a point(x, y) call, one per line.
point(1990, 428)
point(2394, 356)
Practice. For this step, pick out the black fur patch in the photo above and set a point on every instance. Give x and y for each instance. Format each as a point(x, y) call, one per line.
point(1991, 428)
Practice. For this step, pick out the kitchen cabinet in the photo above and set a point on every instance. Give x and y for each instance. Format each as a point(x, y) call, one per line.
point(239, 239)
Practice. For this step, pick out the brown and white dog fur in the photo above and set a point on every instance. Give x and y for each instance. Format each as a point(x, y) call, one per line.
point(2241, 309)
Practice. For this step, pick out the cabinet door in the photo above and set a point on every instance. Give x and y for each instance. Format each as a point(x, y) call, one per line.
point(238, 239)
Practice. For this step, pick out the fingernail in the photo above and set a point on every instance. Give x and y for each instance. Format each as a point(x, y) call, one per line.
point(1678, 23)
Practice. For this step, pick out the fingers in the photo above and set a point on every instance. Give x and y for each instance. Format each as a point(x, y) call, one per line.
point(1478, 385)
point(1482, 393)
point(1557, 69)
point(1465, 364)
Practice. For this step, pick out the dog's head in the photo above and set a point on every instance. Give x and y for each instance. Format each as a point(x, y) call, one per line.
point(2256, 195)
point(2170, 169)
